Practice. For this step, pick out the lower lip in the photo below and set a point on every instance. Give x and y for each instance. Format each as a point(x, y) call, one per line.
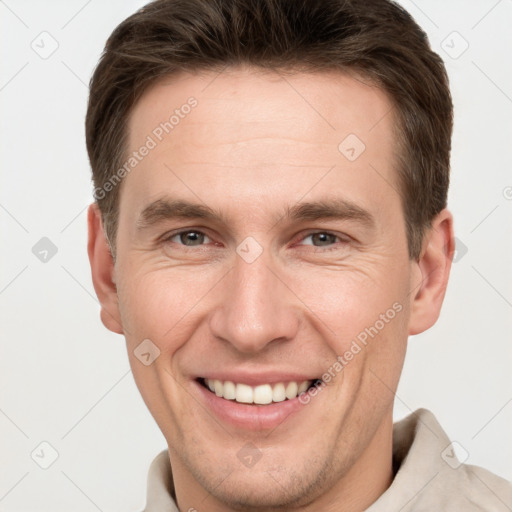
point(250, 417)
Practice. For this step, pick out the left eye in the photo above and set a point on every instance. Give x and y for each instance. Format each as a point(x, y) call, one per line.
point(189, 238)
point(321, 239)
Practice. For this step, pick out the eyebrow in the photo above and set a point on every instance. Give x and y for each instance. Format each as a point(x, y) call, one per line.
point(167, 209)
point(336, 209)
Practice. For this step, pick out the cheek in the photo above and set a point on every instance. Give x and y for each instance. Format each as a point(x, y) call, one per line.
point(362, 316)
point(158, 303)
point(350, 302)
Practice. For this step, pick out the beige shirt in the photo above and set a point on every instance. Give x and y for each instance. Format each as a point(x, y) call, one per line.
point(429, 477)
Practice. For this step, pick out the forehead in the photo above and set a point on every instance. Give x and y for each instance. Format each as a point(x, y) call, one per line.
point(230, 133)
point(331, 102)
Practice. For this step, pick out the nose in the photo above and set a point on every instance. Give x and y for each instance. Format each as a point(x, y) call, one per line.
point(254, 307)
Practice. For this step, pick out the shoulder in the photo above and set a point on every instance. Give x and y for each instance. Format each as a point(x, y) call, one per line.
point(429, 476)
point(481, 489)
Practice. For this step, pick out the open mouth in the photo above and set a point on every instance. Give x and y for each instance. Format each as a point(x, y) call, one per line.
point(263, 394)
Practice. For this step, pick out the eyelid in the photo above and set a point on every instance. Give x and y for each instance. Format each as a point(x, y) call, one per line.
point(166, 237)
point(341, 236)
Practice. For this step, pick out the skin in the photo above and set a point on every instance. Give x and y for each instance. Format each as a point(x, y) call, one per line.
point(256, 143)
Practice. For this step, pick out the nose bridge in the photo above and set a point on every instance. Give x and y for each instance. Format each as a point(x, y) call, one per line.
point(255, 307)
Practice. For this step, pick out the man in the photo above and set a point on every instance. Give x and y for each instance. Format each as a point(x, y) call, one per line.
point(270, 226)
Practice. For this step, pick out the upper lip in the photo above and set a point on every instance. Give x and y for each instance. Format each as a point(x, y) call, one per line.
point(256, 379)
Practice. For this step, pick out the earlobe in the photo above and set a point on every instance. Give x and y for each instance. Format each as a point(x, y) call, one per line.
point(103, 272)
point(434, 267)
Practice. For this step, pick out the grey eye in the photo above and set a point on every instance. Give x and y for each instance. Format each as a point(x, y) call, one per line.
point(321, 239)
point(190, 238)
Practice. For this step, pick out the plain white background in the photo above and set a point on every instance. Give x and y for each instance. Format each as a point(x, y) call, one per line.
point(65, 379)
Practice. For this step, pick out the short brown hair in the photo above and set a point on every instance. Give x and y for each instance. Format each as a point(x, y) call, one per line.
point(377, 39)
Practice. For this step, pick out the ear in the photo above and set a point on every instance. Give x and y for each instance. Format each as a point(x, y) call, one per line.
point(103, 271)
point(434, 266)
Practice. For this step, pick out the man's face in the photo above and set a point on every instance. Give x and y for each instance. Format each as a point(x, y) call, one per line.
point(270, 290)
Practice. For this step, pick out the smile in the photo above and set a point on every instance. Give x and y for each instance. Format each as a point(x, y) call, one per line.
point(261, 395)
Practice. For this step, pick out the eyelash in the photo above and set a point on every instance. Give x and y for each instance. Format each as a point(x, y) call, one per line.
point(342, 240)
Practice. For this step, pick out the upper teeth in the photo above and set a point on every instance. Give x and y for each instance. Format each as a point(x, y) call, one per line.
point(263, 394)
